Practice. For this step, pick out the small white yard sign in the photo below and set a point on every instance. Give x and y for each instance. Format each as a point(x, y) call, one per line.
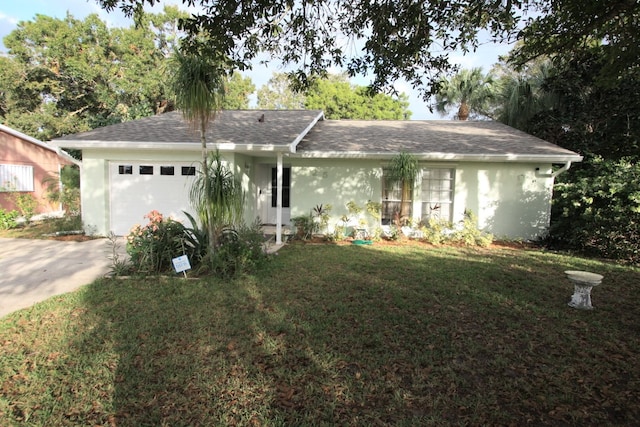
point(181, 264)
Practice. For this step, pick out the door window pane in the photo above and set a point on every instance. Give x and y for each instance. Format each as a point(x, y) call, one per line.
point(188, 170)
point(286, 187)
point(125, 169)
point(146, 170)
point(167, 170)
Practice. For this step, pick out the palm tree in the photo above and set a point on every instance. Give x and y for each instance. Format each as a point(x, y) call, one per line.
point(198, 84)
point(404, 169)
point(523, 95)
point(218, 197)
point(469, 90)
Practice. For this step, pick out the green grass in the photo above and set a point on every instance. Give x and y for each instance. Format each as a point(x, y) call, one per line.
point(334, 335)
point(42, 228)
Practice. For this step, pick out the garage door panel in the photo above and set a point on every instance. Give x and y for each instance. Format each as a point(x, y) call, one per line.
point(134, 195)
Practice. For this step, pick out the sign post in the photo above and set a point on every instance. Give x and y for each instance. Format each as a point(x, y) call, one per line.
point(181, 264)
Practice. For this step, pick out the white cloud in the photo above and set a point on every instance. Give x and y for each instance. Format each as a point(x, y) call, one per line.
point(8, 19)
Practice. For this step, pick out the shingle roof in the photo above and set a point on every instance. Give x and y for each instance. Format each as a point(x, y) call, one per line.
point(436, 139)
point(278, 127)
point(258, 130)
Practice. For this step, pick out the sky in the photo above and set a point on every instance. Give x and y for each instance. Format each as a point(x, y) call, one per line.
point(14, 11)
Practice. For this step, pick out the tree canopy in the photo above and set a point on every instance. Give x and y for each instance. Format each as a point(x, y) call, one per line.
point(339, 99)
point(277, 94)
point(596, 204)
point(469, 91)
point(410, 40)
point(336, 96)
point(69, 75)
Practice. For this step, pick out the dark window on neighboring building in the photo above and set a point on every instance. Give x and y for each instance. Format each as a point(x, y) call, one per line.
point(167, 170)
point(146, 170)
point(125, 169)
point(286, 187)
point(188, 170)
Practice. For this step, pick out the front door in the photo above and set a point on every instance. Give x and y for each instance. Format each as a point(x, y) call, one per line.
point(268, 193)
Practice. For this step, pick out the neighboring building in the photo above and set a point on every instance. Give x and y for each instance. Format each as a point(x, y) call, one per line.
point(25, 165)
point(291, 161)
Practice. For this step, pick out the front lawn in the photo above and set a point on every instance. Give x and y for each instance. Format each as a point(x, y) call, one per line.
point(334, 335)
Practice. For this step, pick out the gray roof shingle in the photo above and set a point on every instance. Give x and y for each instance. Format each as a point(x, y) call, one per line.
point(279, 127)
point(450, 137)
point(242, 130)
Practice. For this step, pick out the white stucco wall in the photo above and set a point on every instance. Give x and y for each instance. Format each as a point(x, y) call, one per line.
point(509, 199)
point(334, 182)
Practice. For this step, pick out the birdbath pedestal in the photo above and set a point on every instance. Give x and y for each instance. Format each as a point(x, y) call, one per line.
point(583, 282)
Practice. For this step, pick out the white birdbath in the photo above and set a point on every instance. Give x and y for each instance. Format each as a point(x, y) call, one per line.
point(583, 282)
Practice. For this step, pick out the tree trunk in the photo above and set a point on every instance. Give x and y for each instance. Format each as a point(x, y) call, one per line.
point(463, 111)
point(207, 185)
point(405, 199)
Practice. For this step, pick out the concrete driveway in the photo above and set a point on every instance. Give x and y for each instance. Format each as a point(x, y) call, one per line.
point(34, 270)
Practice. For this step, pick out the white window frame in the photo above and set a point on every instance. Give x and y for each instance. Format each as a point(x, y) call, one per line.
point(16, 178)
point(391, 198)
point(437, 193)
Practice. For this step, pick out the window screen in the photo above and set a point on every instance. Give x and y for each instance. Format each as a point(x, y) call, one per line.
point(16, 178)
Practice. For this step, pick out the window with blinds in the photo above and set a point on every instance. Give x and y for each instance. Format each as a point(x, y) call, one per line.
point(16, 178)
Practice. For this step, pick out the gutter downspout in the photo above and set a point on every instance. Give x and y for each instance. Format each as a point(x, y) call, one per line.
point(554, 174)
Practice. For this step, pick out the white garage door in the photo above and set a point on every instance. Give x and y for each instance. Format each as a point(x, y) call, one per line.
point(137, 188)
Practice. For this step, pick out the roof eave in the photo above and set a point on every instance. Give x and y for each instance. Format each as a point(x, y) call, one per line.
point(185, 146)
point(517, 158)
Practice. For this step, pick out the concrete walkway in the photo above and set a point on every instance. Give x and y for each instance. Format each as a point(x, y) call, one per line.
point(34, 270)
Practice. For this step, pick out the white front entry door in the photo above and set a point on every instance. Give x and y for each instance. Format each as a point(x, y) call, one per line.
point(267, 184)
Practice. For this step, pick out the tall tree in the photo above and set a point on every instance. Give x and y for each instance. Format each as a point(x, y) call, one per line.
point(470, 91)
point(67, 75)
point(339, 99)
point(198, 83)
point(565, 29)
point(238, 90)
point(409, 40)
point(522, 94)
point(278, 94)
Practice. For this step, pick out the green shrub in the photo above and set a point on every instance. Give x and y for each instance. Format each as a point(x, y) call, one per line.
point(69, 195)
point(436, 231)
point(306, 226)
point(26, 204)
point(439, 231)
point(469, 234)
point(8, 219)
point(153, 246)
point(240, 251)
point(596, 210)
point(66, 223)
